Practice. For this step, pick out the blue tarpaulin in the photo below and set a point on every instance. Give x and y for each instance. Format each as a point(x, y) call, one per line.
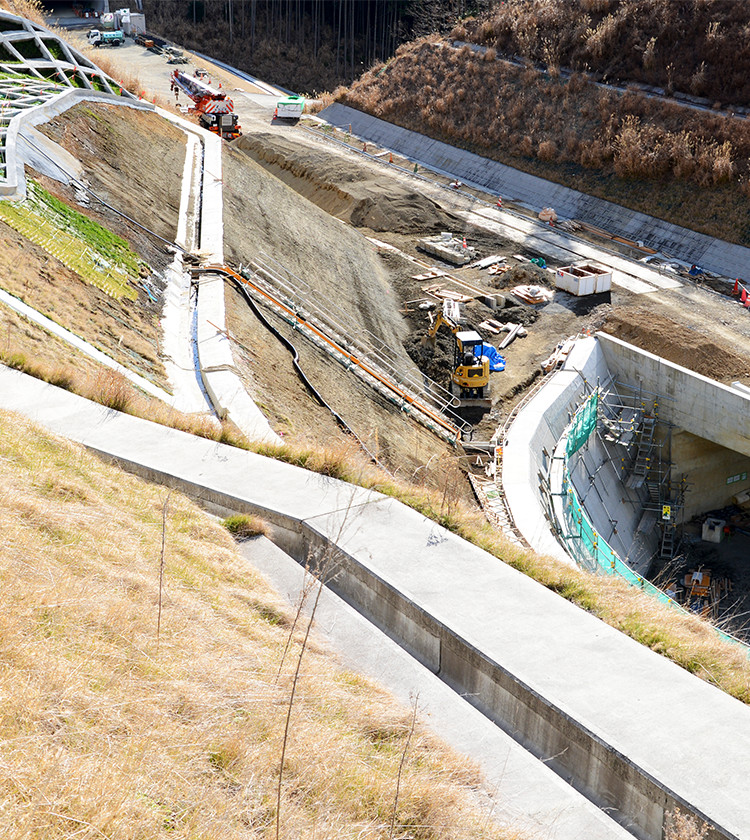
point(497, 362)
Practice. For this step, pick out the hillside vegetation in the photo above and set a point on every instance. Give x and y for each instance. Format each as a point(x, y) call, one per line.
point(651, 154)
point(699, 47)
point(135, 711)
point(307, 45)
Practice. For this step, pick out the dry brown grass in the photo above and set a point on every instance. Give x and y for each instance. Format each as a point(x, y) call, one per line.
point(31, 9)
point(641, 152)
point(103, 736)
point(694, 46)
point(439, 492)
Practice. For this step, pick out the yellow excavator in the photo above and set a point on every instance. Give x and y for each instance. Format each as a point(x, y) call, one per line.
point(470, 378)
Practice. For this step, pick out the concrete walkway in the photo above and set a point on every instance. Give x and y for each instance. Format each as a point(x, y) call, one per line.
point(638, 735)
point(527, 797)
point(721, 257)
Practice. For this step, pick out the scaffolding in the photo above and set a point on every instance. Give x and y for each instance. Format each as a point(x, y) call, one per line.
point(637, 447)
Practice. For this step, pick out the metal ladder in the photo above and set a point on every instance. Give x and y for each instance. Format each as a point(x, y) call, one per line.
point(643, 456)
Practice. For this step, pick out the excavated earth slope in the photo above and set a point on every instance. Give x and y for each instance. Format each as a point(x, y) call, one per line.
point(345, 188)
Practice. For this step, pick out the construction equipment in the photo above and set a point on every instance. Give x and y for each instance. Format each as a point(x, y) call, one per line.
point(470, 378)
point(214, 108)
point(99, 38)
point(289, 108)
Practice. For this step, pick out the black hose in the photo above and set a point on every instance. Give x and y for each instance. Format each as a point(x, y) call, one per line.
point(345, 427)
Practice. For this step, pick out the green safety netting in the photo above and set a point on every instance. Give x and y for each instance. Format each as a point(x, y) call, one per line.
point(605, 557)
point(583, 424)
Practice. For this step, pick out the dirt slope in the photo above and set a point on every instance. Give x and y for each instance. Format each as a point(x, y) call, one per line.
point(264, 216)
point(344, 188)
point(678, 342)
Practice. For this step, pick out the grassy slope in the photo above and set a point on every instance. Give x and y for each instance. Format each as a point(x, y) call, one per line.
point(109, 731)
point(656, 157)
point(692, 46)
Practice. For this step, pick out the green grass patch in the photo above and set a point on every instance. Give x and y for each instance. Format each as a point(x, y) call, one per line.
point(243, 526)
point(96, 254)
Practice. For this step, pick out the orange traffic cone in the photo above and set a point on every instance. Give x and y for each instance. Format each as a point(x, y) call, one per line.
point(743, 297)
point(390, 158)
point(464, 245)
point(736, 289)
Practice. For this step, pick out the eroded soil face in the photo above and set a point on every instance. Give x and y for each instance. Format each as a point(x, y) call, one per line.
point(687, 345)
point(133, 161)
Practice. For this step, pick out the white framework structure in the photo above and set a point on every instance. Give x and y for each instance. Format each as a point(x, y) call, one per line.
point(36, 65)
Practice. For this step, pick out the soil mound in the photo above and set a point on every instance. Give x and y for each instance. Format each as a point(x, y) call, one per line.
point(675, 342)
point(524, 275)
point(342, 188)
point(434, 361)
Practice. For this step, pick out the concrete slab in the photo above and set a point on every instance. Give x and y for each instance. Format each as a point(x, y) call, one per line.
point(526, 796)
point(632, 731)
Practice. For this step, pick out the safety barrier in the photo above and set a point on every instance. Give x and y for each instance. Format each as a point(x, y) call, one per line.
point(431, 417)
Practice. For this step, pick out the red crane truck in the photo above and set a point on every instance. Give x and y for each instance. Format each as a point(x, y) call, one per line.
point(215, 109)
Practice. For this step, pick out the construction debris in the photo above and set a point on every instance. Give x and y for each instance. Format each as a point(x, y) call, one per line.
point(532, 294)
point(448, 248)
point(547, 214)
point(429, 275)
point(515, 331)
point(558, 355)
point(488, 261)
point(499, 269)
point(446, 294)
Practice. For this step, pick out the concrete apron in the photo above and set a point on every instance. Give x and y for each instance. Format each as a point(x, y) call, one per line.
point(611, 718)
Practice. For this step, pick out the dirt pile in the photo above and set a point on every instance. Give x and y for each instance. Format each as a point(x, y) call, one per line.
point(436, 361)
point(676, 342)
point(344, 189)
point(527, 274)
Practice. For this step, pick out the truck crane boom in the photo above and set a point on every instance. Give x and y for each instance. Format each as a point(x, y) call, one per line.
point(214, 108)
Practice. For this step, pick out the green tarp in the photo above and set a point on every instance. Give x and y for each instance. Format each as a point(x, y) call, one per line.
point(583, 425)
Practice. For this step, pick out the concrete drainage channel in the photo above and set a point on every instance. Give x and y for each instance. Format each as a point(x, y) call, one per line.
point(611, 718)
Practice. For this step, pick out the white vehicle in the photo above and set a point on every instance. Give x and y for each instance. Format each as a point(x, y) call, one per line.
point(98, 38)
point(290, 108)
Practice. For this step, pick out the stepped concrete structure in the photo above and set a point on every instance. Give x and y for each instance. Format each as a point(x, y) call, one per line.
point(713, 254)
point(615, 721)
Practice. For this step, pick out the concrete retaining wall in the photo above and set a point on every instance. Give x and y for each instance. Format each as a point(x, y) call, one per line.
point(715, 255)
point(590, 765)
point(692, 402)
point(614, 719)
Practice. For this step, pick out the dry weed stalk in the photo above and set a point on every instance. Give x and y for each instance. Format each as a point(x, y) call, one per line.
point(162, 557)
point(415, 703)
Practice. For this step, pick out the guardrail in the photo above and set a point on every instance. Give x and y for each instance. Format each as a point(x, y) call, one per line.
point(428, 415)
